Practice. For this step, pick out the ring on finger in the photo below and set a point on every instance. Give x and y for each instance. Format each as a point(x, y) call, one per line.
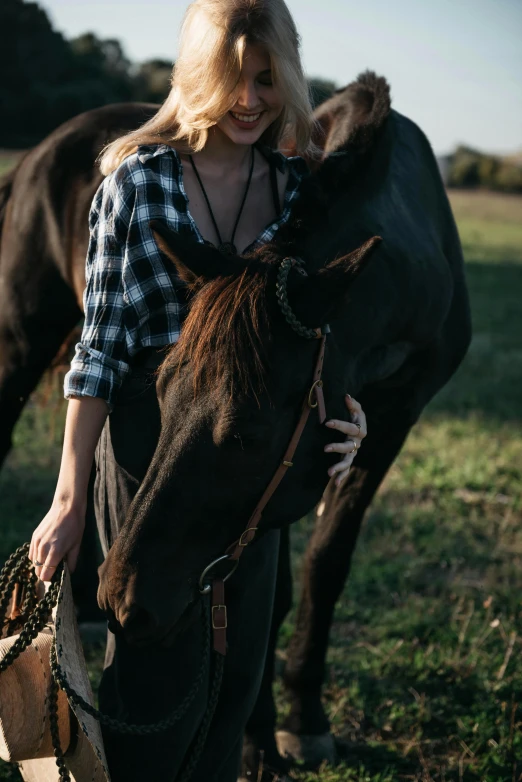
point(354, 447)
point(42, 564)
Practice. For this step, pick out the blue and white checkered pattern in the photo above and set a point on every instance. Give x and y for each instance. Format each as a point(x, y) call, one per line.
point(132, 300)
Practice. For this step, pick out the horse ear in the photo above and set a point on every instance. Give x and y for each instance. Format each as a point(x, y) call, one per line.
point(321, 293)
point(194, 262)
point(350, 266)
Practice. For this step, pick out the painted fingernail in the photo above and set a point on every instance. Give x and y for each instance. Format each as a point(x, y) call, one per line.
point(348, 395)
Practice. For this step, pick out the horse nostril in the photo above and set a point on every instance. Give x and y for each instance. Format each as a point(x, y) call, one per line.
point(112, 623)
point(139, 623)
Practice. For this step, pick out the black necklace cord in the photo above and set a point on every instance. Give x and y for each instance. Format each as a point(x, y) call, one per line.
point(227, 246)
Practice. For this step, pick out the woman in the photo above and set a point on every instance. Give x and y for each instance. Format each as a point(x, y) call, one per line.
point(238, 88)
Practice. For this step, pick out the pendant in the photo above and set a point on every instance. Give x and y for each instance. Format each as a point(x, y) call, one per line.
point(227, 248)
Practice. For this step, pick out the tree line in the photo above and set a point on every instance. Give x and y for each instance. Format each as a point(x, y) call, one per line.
point(46, 79)
point(469, 168)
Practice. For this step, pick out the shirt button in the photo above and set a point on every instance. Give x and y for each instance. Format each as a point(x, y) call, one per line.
point(275, 227)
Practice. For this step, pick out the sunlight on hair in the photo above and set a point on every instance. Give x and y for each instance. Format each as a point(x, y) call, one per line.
point(225, 334)
point(213, 37)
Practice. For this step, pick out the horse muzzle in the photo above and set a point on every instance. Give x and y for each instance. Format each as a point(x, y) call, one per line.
point(144, 622)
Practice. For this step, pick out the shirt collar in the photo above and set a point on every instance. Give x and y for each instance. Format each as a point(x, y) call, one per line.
point(147, 151)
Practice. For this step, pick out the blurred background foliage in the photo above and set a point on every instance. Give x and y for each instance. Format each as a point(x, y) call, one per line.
point(46, 79)
point(469, 168)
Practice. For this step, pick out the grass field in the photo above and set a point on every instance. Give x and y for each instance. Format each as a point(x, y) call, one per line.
point(425, 664)
point(8, 158)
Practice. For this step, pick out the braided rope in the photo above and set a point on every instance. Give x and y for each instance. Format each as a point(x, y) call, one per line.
point(118, 726)
point(16, 570)
point(199, 743)
point(19, 569)
point(282, 297)
point(55, 732)
point(8, 577)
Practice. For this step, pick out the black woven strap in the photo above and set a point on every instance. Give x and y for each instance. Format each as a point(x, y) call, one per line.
point(282, 297)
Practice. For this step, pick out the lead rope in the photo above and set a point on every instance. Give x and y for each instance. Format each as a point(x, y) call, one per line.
point(19, 570)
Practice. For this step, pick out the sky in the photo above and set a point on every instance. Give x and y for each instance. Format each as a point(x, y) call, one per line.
point(454, 66)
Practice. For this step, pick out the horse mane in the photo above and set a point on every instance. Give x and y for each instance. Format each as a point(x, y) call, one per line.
point(225, 333)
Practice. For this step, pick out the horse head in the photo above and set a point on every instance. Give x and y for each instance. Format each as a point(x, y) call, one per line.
point(230, 393)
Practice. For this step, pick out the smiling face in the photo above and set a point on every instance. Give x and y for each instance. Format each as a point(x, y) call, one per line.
point(259, 102)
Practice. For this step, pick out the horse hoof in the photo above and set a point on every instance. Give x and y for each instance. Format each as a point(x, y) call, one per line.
point(262, 765)
point(309, 750)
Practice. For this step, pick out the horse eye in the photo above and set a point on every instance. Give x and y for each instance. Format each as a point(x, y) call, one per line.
point(238, 437)
point(244, 439)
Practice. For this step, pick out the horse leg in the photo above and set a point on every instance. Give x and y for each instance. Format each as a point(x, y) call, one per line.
point(305, 734)
point(260, 756)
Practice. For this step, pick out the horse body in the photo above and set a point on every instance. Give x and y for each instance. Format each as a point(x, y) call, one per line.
point(400, 327)
point(44, 237)
point(410, 327)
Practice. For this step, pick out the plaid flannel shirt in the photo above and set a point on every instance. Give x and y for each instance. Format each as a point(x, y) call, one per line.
point(131, 299)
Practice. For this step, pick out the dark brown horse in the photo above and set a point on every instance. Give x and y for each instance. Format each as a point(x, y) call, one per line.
point(400, 327)
point(398, 338)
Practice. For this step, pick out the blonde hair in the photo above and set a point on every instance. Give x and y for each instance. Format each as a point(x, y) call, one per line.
point(205, 78)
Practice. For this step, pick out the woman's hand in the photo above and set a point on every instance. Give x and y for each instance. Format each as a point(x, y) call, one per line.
point(57, 537)
point(355, 432)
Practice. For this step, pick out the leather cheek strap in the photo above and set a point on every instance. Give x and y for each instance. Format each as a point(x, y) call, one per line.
point(313, 399)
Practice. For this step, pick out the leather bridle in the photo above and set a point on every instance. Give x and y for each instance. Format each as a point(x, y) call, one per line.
point(314, 398)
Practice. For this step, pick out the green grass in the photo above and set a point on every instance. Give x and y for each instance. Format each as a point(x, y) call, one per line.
point(425, 664)
point(8, 158)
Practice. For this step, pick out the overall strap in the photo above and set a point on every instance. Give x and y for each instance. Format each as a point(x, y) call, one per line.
point(271, 157)
point(274, 186)
point(313, 399)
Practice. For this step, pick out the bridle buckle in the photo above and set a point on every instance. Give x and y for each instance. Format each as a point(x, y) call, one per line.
point(243, 543)
point(317, 384)
point(224, 624)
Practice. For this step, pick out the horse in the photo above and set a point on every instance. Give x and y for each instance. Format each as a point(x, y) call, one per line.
point(404, 330)
point(383, 170)
point(400, 325)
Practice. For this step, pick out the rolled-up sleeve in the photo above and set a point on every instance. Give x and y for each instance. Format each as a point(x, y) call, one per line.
point(101, 359)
